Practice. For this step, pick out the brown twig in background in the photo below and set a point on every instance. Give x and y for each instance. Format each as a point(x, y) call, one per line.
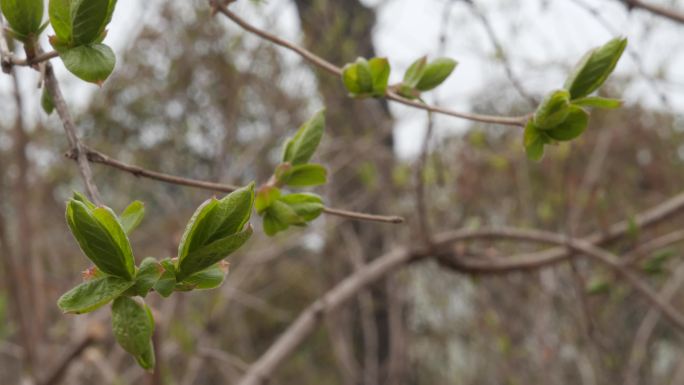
point(101, 158)
point(671, 14)
point(53, 89)
point(517, 121)
point(260, 372)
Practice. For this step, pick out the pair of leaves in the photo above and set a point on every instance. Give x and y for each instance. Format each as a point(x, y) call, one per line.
point(80, 28)
point(133, 327)
point(101, 236)
point(365, 78)
point(423, 76)
point(560, 116)
point(300, 148)
point(293, 209)
point(24, 17)
point(216, 229)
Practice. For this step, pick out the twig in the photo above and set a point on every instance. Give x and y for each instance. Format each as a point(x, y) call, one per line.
point(287, 342)
point(35, 60)
point(56, 374)
point(316, 60)
point(53, 89)
point(671, 14)
point(101, 158)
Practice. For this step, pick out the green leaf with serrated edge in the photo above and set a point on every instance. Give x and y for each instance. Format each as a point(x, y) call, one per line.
point(553, 109)
point(92, 294)
point(148, 274)
point(60, 19)
point(534, 141)
point(212, 253)
point(167, 282)
point(132, 216)
point(133, 328)
point(350, 79)
point(272, 224)
point(92, 63)
point(365, 77)
point(88, 20)
point(415, 72)
point(380, 72)
point(594, 68)
point(307, 206)
point(306, 140)
point(304, 175)
point(46, 102)
point(598, 102)
point(96, 242)
point(264, 197)
point(111, 223)
point(206, 279)
point(24, 16)
point(436, 73)
point(572, 127)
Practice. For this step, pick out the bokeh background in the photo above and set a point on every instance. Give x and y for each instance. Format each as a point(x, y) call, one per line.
point(195, 96)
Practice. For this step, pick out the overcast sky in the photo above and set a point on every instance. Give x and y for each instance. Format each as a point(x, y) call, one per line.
point(541, 38)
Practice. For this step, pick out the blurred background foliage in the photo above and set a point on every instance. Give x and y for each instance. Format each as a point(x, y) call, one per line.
point(194, 97)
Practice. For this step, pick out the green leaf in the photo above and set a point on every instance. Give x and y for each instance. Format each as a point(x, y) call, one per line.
point(60, 19)
point(572, 127)
point(149, 273)
point(167, 282)
point(264, 198)
point(350, 78)
point(108, 19)
point(92, 294)
point(304, 175)
point(306, 140)
point(594, 68)
point(534, 141)
point(553, 109)
point(216, 219)
point(380, 72)
point(365, 77)
point(97, 235)
point(307, 206)
point(46, 102)
point(435, 73)
point(598, 102)
point(212, 253)
point(415, 72)
point(83, 199)
point(132, 216)
point(92, 63)
point(209, 278)
point(24, 16)
point(88, 20)
point(279, 216)
point(133, 326)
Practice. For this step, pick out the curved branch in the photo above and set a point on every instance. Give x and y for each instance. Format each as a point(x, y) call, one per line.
point(518, 121)
point(671, 14)
point(288, 341)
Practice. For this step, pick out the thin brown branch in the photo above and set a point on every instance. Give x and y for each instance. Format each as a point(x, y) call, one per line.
point(101, 158)
point(55, 92)
point(55, 375)
point(674, 15)
point(518, 121)
point(35, 60)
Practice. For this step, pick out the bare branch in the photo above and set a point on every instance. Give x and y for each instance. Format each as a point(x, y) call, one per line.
point(101, 158)
point(671, 14)
point(518, 121)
